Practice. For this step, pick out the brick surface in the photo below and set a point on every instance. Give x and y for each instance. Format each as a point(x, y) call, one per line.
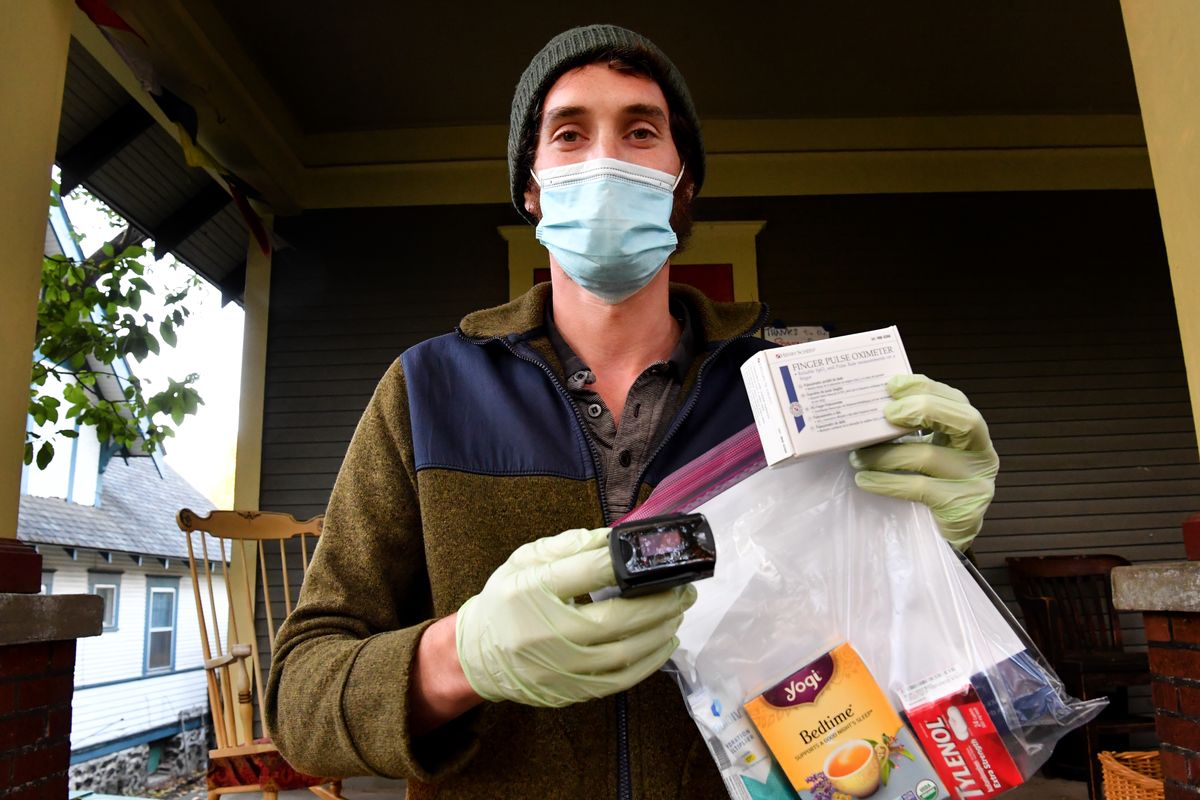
point(1185, 628)
point(62, 656)
point(20, 660)
point(22, 729)
point(45, 692)
point(20, 567)
point(1189, 701)
point(1193, 765)
point(1175, 662)
point(1158, 627)
point(6, 760)
point(57, 786)
point(8, 699)
point(22, 793)
point(1179, 791)
point(59, 723)
point(1178, 731)
point(41, 763)
point(1175, 766)
point(1166, 695)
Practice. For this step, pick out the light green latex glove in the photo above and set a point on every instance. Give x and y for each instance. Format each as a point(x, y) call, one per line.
point(523, 638)
point(954, 474)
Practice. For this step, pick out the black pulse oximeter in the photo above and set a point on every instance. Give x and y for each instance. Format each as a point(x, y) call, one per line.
point(649, 555)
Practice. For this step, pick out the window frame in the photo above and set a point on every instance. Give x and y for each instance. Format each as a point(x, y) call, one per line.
point(101, 578)
point(160, 584)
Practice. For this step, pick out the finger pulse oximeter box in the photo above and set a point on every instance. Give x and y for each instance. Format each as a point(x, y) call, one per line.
point(826, 395)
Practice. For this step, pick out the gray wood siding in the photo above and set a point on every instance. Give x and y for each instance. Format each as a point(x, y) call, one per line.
point(1053, 312)
point(343, 310)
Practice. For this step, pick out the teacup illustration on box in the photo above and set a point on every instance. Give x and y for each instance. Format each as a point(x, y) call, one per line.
point(853, 768)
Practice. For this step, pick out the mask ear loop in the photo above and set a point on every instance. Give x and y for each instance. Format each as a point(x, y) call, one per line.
point(536, 180)
point(678, 177)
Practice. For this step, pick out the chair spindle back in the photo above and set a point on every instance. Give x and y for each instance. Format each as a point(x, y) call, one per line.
point(233, 663)
point(1067, 602)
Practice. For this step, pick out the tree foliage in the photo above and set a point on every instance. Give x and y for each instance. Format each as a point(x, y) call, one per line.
point(89, 317)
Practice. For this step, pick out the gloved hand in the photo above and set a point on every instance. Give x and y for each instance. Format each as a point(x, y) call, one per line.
point(523, 638)
point(957, 469)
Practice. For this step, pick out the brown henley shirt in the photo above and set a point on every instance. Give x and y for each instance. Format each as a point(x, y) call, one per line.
point(655, 396)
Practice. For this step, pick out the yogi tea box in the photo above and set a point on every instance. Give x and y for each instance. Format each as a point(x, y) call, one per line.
point(836, 736)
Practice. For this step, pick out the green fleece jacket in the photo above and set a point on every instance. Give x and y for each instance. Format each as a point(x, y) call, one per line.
point(469, 448)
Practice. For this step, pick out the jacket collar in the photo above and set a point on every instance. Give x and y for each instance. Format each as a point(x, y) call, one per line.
point(525, 316)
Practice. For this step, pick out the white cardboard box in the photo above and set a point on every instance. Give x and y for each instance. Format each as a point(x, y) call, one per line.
point(827, 395)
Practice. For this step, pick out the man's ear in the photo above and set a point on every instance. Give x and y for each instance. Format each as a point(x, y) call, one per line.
point(531, 197)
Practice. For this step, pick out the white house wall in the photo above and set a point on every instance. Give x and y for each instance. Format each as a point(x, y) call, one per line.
point(111, 712)
point(79, 457)
point(87, 476)
point(113, 696)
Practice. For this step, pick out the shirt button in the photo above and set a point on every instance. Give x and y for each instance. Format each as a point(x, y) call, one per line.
point(625, 458)
point(594, 410)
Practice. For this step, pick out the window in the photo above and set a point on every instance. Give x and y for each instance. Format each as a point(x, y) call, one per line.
point(108, 586)
point(161, 617)
point(47, 581)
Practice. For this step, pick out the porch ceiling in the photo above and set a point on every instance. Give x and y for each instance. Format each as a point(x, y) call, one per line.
point(407, 103)
point(108, 144)
point(396, 65)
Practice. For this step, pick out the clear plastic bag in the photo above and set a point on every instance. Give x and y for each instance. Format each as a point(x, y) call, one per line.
point(806, 562)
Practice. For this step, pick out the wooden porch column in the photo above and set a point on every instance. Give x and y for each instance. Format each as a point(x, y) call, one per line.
point(248, 470)
point(33, 39)
point(256, 304)
point(1164, 42)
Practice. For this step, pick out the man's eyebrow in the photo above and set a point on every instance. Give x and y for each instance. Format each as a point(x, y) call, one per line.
point(645, 110)
point(560, 113)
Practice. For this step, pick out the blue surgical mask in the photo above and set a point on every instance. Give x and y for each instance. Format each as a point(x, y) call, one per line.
point(608, 223)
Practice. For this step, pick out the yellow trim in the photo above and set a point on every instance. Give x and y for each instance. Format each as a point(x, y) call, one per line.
point(712, 243)
point(962, 132)
point(525, 254)
point(84, 31)
point(34, 40)
point(447, 165)
point(257, 305)
point(418, 184)
point(243, 124)
point(1162, 44)
point(727, 243)
point(734, 136)
point(263, 143)
point(765, 175)
point(243, 561)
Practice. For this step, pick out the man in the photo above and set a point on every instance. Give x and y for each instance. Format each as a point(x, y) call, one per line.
point(437, 637)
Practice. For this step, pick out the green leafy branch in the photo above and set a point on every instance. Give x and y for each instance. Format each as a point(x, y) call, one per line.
point(89, 317)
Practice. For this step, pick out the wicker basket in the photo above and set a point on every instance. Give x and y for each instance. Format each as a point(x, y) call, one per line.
point(1134, 775)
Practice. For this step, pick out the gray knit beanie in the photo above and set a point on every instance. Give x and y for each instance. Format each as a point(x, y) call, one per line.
point(575, 48)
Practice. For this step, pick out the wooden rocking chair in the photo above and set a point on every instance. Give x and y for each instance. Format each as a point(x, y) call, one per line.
point(244, 760)
point(1068, 610)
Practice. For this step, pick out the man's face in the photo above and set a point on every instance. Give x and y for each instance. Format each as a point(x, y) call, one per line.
point(599, 112)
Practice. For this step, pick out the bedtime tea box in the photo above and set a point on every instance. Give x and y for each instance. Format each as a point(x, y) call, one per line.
point(834, 733)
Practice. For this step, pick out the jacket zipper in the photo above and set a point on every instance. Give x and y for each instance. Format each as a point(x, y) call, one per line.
point(562, 393)
point(694, 397)
point(624, 773)
point(624, 777)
